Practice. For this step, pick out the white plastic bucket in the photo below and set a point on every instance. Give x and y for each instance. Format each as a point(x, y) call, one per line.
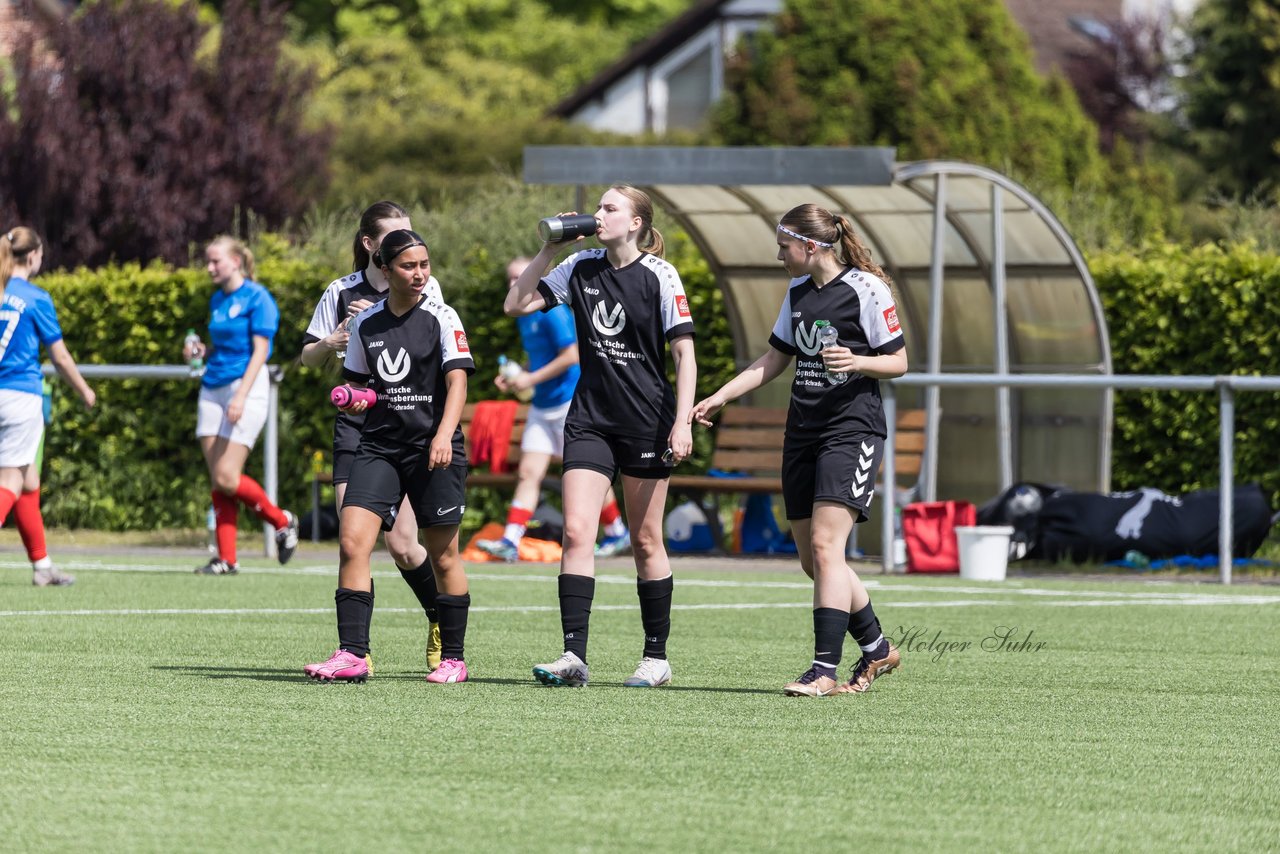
point(984, 551)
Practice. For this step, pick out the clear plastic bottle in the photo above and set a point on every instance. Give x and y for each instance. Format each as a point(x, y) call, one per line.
point(828, 337)
point(211, 523)
point(510, 370)
point(189, 344)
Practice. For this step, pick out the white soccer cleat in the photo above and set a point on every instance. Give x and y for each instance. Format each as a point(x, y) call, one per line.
point(650, 673)
point(568, 671)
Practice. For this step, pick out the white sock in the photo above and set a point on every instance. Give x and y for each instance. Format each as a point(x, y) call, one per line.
point(514, 532)
point(872, 646)
point(616, 528)
point(43, 563)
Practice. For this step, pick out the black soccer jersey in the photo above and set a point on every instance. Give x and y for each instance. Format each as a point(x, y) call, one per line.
point(404, 359)
point(330, 311)
point(624, 319)
point(861, 308)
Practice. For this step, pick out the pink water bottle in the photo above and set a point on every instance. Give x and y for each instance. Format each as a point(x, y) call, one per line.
point(344, 395)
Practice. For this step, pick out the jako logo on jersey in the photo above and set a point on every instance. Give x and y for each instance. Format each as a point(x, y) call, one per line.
point(393, 369)
point(807, 340)
point(682, 305)
point(460, 341)
point(891, 318)
point(609, 324)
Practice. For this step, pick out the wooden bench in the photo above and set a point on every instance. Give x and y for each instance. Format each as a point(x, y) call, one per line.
point(749, 443)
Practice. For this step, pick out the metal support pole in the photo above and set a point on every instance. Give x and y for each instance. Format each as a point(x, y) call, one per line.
point(889, 402)
point(315, 509)
point(1226, 477)
point(271, 452)
point(933, 395)
point(999, 294)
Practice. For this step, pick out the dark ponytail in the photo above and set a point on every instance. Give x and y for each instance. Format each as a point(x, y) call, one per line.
point(369, 220)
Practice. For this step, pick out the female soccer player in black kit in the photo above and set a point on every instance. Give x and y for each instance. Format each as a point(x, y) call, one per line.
point(627, 304)
point(835, 426)
point(327, 336)
point(412, 351)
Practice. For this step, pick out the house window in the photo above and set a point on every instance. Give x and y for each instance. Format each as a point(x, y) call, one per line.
point(689, 92)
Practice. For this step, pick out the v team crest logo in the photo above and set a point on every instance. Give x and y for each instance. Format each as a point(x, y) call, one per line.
point(608, 324)
point(393, 369)
point(807, 339)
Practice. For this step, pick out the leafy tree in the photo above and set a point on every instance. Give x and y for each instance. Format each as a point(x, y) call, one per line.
point(127, 140)
point(936, 78)
point(1233, 94)
point(413, 124)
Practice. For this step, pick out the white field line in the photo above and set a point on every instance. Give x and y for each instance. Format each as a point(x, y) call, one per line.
point(711, 606)
point(1076, 597)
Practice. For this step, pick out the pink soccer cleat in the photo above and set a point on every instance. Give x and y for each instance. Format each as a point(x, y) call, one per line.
point(342, 666)
point(450, 670)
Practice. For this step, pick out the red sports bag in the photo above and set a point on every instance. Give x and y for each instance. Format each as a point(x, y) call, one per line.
point(929, 527)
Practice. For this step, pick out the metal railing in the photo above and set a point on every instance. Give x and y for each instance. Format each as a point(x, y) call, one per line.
point(270, 446)
point(1226, 386)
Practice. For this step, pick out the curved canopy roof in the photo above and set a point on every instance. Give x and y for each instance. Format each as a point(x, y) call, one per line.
point(996, 243)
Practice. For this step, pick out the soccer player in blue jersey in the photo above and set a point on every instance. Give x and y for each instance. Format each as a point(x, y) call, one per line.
point(551, 343)
point(835, 432)
point(232, 410)
point(27, 320)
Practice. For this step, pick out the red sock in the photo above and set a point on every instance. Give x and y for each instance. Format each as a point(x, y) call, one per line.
point(26, 513)
point(610, 514)
point(7, 500)
point(519, 515)
point(225, 511)
point(256, 500)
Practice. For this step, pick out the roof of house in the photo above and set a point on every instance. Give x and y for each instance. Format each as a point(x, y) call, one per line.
point(1049, 30)
point(645, 52)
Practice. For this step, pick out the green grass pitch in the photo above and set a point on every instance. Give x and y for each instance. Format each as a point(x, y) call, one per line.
point(148, 709)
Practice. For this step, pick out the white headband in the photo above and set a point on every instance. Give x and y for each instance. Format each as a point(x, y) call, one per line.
point(788, 231)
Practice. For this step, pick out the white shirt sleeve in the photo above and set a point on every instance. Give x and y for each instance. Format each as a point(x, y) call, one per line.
point(455, 352)
point(325, 318)
point(675, 304)
point(557, 281)
point(356, 363)
point(879, 314)
point(782, 326)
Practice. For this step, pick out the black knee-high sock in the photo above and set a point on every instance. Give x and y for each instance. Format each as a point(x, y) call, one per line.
point(828, 635)
point(655, 614)
point(355, 609)
point(864, 628)
point(368, 621)
point(576, 593)
point(453, 623)
point(422, 581)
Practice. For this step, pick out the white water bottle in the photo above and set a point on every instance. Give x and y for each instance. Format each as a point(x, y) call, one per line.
point(828, 338)
point(510, 370)
point(191, 345)
point(211, 522)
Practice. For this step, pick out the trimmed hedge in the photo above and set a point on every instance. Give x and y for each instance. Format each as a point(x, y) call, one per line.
point(1205, 310)
point(133, 462)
